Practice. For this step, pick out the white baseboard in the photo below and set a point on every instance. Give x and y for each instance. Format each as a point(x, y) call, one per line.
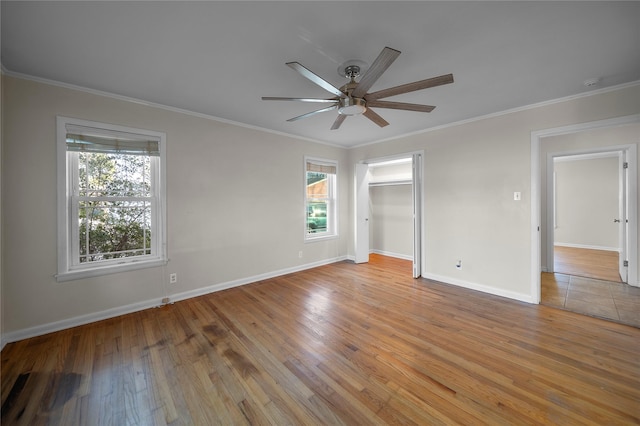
point(465, 284)
point(585, 246)
point(390, 254)
point(480, 287)
point(39, 330)
point(242, 281)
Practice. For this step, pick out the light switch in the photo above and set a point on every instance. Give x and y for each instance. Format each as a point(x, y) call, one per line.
point(517, 196)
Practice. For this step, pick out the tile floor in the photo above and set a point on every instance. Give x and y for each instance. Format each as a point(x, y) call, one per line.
point(604, 299)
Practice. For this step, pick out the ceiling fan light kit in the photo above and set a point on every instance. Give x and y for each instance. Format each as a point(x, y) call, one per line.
point(353, 99)
point(351, 106)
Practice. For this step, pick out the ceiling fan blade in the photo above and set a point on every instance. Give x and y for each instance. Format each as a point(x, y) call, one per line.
point(410, 87)
point(276, 98)
point(400, 105)
point(375, 118)
point(338, 122)
point(317, 80)
point(379, 66)
point(309, 114)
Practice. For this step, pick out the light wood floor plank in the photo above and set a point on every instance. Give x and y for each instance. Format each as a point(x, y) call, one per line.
point(590, 263)
point(340, 344)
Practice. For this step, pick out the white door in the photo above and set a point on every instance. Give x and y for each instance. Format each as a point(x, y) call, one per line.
point(362, 213)
point(623, 218)
point(417, 214)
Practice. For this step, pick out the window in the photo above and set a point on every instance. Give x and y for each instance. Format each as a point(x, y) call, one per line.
point(320, 199)
point(110, 199)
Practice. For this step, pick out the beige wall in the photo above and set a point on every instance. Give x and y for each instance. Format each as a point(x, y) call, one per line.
point(471, 171)
point(234, 197)
point(587, 203)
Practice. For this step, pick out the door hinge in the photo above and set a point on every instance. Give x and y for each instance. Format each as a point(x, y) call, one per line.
point(625, 165)
point(625, 263)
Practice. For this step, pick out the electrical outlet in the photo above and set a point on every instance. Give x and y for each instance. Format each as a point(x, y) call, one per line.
point(300, 254)
point(459, 264)
point(173, 278)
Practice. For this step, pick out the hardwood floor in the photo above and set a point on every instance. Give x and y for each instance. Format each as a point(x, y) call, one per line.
point(598, 264)
point(338, 344)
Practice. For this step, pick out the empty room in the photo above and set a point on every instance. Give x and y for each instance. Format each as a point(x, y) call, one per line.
point(319, 212)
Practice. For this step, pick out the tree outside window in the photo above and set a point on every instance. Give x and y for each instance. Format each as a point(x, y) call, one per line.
point(114, 206)
point(111, 205)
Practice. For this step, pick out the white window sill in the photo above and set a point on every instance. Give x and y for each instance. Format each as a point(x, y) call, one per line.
point(320, 238)
point(106, 270)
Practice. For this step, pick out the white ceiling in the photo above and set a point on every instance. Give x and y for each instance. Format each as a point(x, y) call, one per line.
point(219, 58)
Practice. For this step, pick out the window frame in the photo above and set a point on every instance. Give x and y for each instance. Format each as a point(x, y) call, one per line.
point(332, 208)
point(68, 269)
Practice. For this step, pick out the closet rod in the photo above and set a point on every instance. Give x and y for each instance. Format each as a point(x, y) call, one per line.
point(391, 182)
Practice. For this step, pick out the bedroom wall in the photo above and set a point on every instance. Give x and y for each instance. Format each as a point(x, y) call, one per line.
point(234, 197)
point(587, 203)
point(471, 171)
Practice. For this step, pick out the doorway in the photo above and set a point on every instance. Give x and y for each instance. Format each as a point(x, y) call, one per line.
point(587, 236)
point(394, 185)
point(596, 138)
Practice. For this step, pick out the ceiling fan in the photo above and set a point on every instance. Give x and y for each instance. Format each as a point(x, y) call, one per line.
point(353, 99)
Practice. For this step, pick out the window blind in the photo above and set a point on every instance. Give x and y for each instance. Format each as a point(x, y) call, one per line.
point(321, 168)
point(85, 140)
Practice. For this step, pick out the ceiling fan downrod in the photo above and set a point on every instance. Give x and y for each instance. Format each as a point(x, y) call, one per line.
point(352, 71)
point(351, 105)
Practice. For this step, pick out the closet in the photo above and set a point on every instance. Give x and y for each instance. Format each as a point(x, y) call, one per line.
point(391, 209)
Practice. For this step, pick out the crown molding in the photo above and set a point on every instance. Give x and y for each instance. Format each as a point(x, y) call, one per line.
point(22, 76)
point(96, 92)
point(508, 111)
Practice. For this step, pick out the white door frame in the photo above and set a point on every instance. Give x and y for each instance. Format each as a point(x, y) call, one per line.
point(418, 206)
point(536, 138)
point(361, 219)
point(623, 208)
